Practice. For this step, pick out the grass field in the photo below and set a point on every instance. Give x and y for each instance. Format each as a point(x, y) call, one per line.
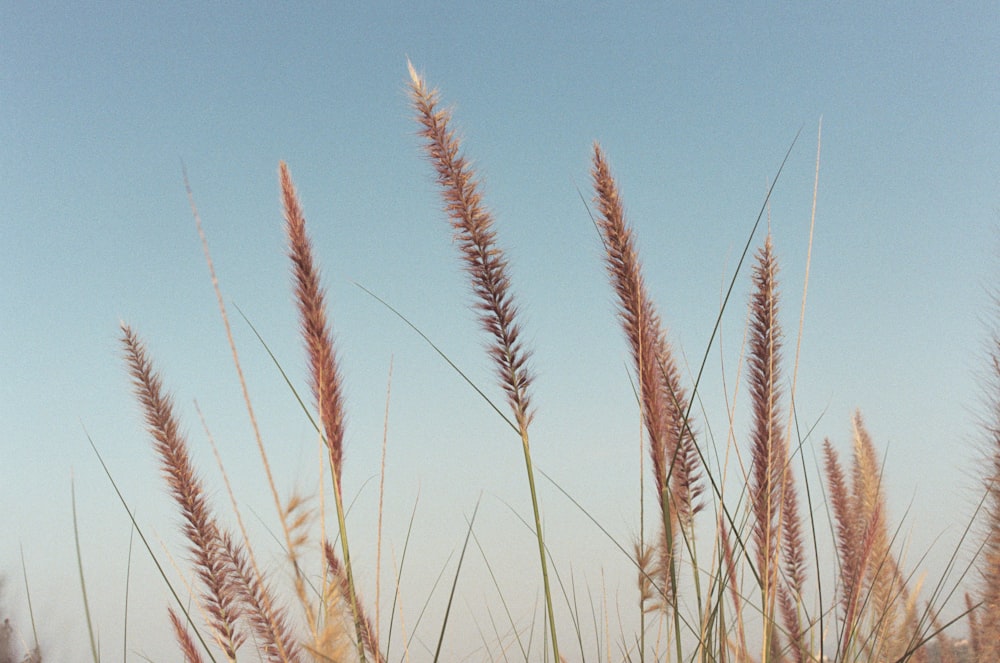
point(727, 561)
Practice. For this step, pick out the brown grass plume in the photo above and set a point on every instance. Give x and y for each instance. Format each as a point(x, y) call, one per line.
point(663, 400)
point(218, 598)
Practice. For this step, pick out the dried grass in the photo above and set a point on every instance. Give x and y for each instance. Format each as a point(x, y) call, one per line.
point(663, 400)
point(875, 613)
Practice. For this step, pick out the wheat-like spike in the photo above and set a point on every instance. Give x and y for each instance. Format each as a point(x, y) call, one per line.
point(269, 621)
point(776, 529)
point(213, 569)
point(664, 401)
point(187, 645)
point(485, 263)
point(767, 445)
point(309, 295)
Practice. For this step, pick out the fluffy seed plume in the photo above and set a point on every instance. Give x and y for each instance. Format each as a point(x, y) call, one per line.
point(183, 637)
point(878, 611)
point(484, 261)
point(777, 527)
point(768, 448)
point(472, 227)
point(338, 577)
point(324, 377)
point(664, 402)
point(884, 579)
point(219, 598)
point(275, 642)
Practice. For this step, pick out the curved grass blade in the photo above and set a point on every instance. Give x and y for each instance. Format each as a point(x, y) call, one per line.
point(83, 582)
point(454, 583)
point(159, 568)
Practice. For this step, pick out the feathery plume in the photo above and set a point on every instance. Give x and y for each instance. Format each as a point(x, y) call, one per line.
point(793, 569)
point(768, 448)
point(889, 593)
point(486, 265)
point(848, 536)
point(663, 401)
point(309, 295)
point(218, 598)
point(773, 499)
point(878, 611)
point(188, 647)
point(339, 578)
point(324, 376)
point(485, 262)
point(777, 530)
point(269, 622)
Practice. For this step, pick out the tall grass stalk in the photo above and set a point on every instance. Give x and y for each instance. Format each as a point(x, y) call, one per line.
point(487, 268)
point(325, 379)
point(663, 402)
point(35, 654)
point(94, 652)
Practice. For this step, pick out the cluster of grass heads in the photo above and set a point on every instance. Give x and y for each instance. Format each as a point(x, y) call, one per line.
point(740, 593)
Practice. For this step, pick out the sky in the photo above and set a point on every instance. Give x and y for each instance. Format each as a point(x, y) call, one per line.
point(104, 107)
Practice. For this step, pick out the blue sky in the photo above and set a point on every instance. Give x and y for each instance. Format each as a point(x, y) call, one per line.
point(101, 105)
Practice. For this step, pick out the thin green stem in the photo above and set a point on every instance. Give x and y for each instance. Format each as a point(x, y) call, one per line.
point(541, 542)
point(345, 551)
point(454, 584)
point(27, 593)
point(83, 583)
point(128, 578)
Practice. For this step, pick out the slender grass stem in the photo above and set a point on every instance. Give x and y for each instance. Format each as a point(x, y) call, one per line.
point(83, 583)
point(27, 593)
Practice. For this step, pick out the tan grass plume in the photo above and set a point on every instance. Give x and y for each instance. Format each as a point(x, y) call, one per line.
point(776, 530)
point(324, 375)
point(485, 263)
point(310, 298)
point(664, 401)
point(184, 639)
point(213, 568)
